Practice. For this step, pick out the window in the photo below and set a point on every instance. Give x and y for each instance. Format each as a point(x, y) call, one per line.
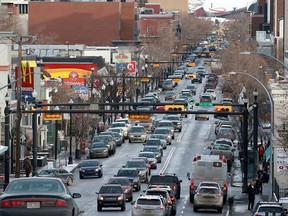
point(148, 202)
point(148, 30)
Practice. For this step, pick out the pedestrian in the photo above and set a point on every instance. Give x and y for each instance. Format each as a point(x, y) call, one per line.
point(27, 166)
point(251, 195)
point(261, 151)
point(259, 183)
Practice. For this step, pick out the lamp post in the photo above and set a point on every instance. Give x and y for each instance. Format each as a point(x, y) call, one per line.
point(145, 72)
point(35, 137)
point(7, 139)
point(103, 87)
point(56, 139)
point(271, 176)
point(245, 147)
point(269, 56)
point(255, 132)
point(70, 160)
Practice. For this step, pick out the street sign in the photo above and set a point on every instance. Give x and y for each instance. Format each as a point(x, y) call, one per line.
point(191, 101)
point(205, 104)
point(145, 79)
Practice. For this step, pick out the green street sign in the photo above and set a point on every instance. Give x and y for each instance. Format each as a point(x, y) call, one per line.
point(205, 104)
point(191, 101)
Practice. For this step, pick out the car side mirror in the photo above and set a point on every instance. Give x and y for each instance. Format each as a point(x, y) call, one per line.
point(76, 195)
point(180, 181)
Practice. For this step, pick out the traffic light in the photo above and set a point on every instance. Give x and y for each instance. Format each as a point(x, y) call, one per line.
point(174, 107)
point(223, 109)
point(139, 117)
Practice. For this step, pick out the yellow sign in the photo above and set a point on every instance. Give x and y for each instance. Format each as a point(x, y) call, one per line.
point(223, 108)
point(174, 107)
point(176, 80)
point(52, 116)
point(191, 75)
point(139, 117)
point(173, 54)
point(225, 75)
point(156, 65)
point(145, 79)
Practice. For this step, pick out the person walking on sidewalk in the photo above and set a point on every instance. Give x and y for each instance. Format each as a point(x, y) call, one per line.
point(251, 195)
point(27, 166)
point(261, 152)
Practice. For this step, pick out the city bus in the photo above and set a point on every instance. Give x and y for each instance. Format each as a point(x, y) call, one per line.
point(208, 168)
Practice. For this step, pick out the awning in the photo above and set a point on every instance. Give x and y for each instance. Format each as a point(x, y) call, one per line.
point(3, 149)
point(267, 153)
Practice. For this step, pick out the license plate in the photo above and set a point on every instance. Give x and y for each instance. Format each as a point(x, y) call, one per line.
point(148, 210)
point(33, 204)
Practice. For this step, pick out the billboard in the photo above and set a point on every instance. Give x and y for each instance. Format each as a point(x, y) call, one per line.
point(121, 57)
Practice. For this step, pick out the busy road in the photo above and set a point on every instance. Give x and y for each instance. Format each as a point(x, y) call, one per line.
point(193, 139)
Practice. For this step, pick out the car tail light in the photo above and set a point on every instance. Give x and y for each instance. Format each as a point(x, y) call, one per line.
point(174, 187)
point(160, 207)
point(13, 203)
point(5, 203)
point(61, 203)
point(257, 215)
point(136, 206)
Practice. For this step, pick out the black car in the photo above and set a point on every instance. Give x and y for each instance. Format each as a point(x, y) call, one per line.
point(197, 79)
point(167, 179)
point(111, 195)
point(34, 196)
point(90, 168)
point(133, 176)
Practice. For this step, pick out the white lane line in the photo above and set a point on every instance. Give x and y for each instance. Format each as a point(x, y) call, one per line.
point(181, 134)
point(167, 160)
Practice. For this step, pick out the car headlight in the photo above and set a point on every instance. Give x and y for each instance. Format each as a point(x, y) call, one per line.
point(97, 169)
point(101, 198)
point(131, 135)
point(143, 136)
point(126, 191)
point(178, 123)
point(81, 170)
point(120, 197)
point(105, 150)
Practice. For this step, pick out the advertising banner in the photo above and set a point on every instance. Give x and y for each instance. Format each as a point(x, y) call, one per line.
point(121, 57)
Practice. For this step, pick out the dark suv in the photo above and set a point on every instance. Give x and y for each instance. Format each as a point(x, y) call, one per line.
point(167, 179)
point(111, 195)
point(197, 79)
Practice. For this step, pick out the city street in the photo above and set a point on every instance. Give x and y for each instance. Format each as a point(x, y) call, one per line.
point(193, 139)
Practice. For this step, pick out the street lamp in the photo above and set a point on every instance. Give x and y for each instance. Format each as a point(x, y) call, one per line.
point(271, 176)
point(269, 56)
point(35, 136)
point(255, 132)
point(7, 139)
point(70, 160)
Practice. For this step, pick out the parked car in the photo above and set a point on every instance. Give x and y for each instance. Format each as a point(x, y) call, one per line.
point(62, 174)
point(226, 132)
point(53, 198)
point(98, 149)
point(208, 197)
point(88, 168)
point(111, 195)
point(125, 184)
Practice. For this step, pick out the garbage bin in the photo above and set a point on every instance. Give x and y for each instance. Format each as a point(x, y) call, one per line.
point(77, 154)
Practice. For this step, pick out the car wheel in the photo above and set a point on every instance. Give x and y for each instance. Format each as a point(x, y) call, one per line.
point(100, 175)
point(220, 210)
point(195, 209)
point(123, 207)
point(129, 141)
point(69, 181)
point(180, 130)
point(99, 208)
point(207, 119)
point(81, 177)
point(196, 118)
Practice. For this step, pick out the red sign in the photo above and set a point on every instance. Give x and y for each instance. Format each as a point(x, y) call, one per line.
point(131, 68)
point(27, 78)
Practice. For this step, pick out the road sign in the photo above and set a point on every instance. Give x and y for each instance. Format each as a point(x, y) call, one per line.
point(205, 104)
point(131, 68)
point(145, 79)
point(139, 117)
point(191, 101)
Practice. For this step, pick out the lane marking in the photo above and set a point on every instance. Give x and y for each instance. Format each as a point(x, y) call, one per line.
point(181, 134)
point(167, 160)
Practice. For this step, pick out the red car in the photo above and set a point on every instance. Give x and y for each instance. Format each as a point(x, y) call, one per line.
point(162, 108)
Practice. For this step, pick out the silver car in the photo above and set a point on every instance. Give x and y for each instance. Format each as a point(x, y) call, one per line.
point(166, 124)
point(137, 134)
point(150, 205)
point(208, 197)
point(162, 138)
point(62, 174)
point(166, 132)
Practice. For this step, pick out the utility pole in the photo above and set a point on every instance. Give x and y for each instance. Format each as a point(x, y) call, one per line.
point(245, 149)
point(255, 133)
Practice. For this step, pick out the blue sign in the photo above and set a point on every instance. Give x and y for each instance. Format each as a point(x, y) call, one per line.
point(81, 89)
point(121, 67)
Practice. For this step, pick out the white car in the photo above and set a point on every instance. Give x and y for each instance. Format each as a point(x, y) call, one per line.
point(122, 125)
point(212, 93)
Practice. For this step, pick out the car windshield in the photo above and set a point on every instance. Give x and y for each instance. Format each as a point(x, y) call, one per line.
point(100, 138)
point(170, 93)
point(123, 120)
point(131, 164)
point(98, 145)
point(164, 124)
point(225, 130)
point(162, 179)
point(161, 131)
point(270, 210)
point(118, 124)
point(90, 163)
point(35, 186)
point(137, 129)
point(128, 173)
point(47, 172)
point(157, 193)
point(224, 142)
point(154, 150)
point(222, 147)
point(172, 118)
point(190, 87)
point(158, 136)
point(153, 142)
point(148, 155)
point(208, 191)
point(110, 190)
point(119, 181)
point(148, 202)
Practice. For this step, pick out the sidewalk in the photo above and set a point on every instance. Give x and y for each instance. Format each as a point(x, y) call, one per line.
point(240, 205)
